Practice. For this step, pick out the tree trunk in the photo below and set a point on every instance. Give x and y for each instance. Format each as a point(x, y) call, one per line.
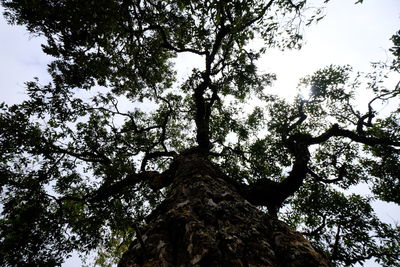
point(204, 222)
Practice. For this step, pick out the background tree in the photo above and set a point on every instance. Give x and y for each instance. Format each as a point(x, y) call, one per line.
point(81, 173)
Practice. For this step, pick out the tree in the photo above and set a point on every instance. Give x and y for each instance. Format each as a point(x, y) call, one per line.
point(117, 155)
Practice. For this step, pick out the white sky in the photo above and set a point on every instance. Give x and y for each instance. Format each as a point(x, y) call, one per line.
point(349, 34)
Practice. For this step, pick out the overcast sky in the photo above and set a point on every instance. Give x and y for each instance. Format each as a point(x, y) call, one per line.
point(350, 34)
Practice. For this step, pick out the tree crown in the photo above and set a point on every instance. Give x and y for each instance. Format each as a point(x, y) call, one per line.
point(77, 169)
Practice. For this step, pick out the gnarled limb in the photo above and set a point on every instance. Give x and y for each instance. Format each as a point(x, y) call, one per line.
point(154, 179)
point(336, 131)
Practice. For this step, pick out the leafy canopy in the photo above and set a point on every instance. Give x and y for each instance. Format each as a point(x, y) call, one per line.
point(71, 154)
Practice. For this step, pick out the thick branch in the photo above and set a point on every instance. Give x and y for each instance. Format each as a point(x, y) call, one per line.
point(153, 155)
point(85, 155)
point(261, 193)
point(317, 231)
point(167, 44)
point(335, 131)
point(272, 194)
point(340, 177)
point(361, 122)
point(155, 180)
point(201, 119)
point(335, 248)
point(294, 181)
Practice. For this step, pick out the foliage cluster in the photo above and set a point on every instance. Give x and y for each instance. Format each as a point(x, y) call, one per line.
point(68, 162)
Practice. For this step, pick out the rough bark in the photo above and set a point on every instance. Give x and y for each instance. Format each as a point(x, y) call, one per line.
point(204, 222)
